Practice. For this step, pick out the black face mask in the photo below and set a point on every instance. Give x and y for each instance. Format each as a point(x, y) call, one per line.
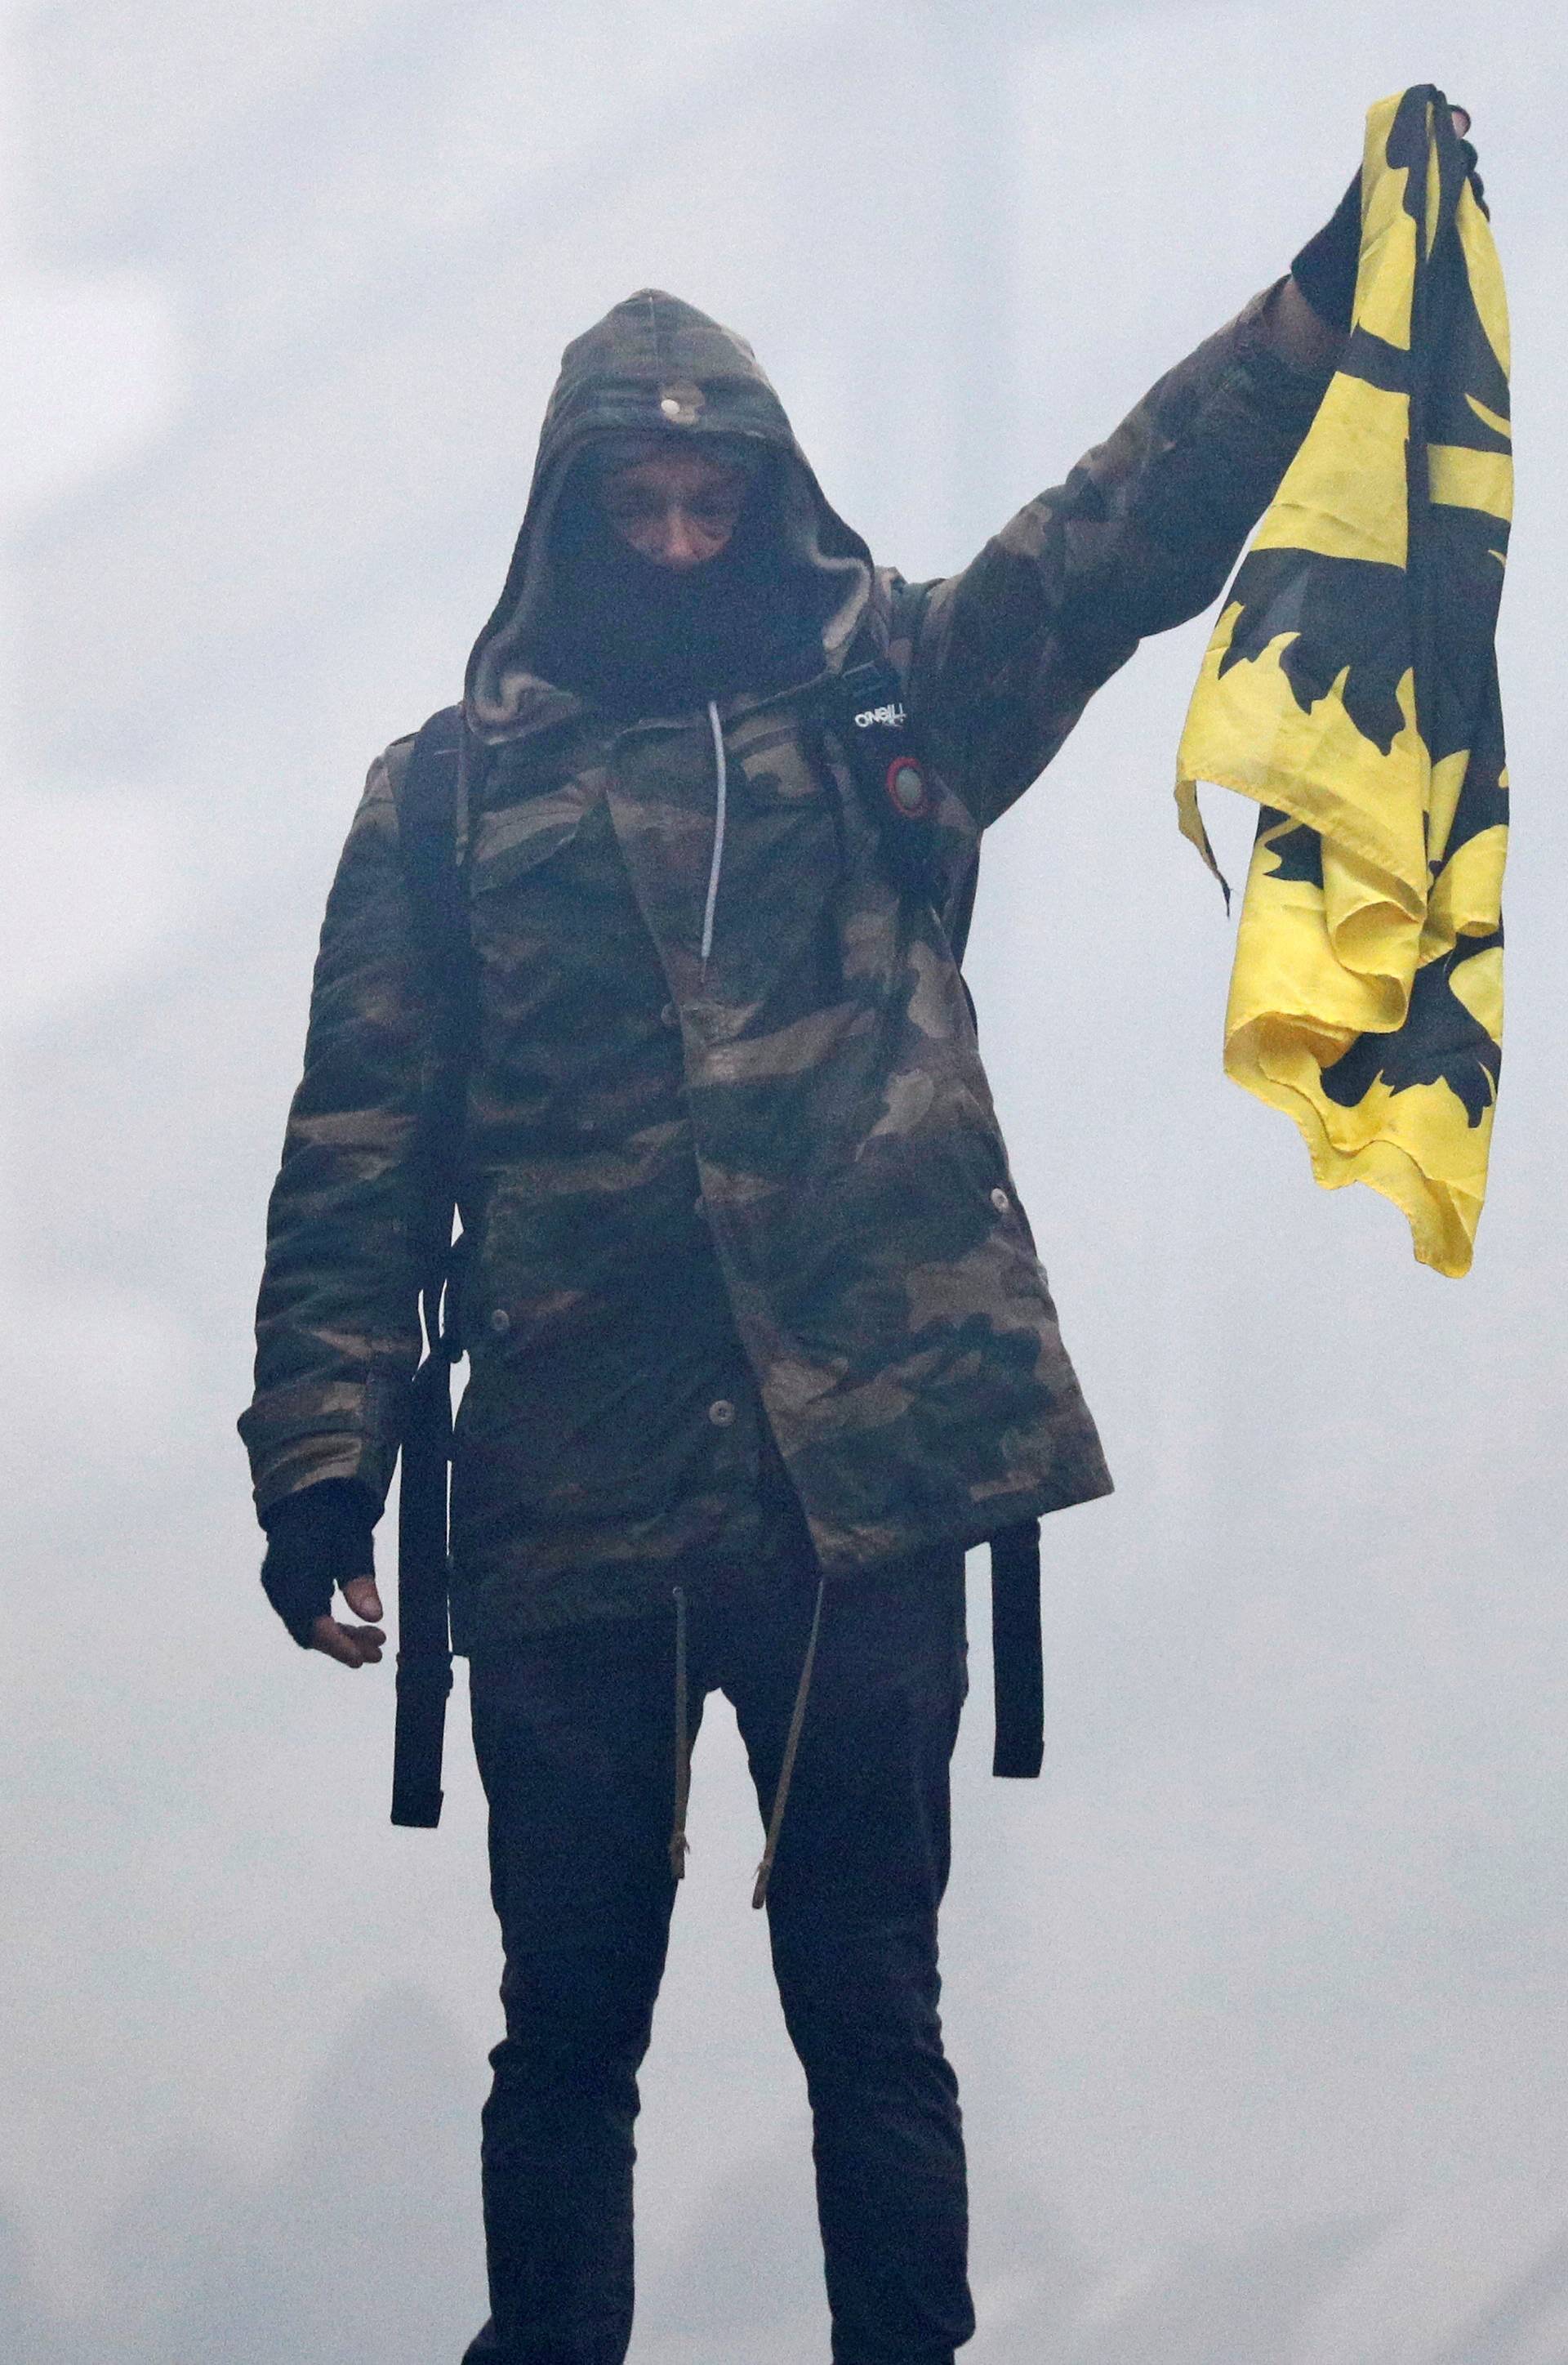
point(638, 638)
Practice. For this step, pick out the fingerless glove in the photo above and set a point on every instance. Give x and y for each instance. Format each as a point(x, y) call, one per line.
point(317, 1540)
point(1326, 268)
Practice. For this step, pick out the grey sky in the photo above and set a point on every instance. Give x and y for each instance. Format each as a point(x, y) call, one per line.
point(1272, 1962)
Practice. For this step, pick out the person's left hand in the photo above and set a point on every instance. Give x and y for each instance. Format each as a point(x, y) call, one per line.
point(1311, 315)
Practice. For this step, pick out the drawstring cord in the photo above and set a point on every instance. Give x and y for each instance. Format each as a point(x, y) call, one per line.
point(677, 1850)
point(721, 779)
point(677, 1841)
point(786, 1771)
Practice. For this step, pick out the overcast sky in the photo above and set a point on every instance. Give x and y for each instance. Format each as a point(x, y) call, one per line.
point(1258, 1997)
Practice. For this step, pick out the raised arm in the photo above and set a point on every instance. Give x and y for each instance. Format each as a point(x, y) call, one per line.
point(1140, 537)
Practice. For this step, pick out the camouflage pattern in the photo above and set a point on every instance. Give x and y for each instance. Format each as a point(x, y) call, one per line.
point(744, 1229)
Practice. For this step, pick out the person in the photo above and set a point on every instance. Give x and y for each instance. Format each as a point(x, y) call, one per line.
point(760, 1341)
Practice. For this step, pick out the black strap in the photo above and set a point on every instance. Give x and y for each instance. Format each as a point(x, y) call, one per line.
point(1017, 1647)
point(427, 824)
point(865, 706)
point(427, 803)
point(1017, 1653)
point(424, 1649)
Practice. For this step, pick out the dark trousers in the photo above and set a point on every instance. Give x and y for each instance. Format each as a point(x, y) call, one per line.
point(574, 1734)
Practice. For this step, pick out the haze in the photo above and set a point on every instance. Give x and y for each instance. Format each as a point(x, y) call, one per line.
point(1258, 1998)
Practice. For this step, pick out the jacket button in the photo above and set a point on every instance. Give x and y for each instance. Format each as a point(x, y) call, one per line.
point(721, 1412)
point(1001, 1202)
point(669, 1016)
point(501, 1321)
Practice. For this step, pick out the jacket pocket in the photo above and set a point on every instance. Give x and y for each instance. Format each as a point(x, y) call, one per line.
point(513, 839)
point(776, 762)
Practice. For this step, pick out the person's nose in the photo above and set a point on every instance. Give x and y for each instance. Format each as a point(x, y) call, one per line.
point(683, 545)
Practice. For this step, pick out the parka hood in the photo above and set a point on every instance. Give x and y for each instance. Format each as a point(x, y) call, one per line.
point(656, 366)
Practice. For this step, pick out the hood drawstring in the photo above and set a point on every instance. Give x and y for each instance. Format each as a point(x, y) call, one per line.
point(677, 1850)
point(722, 780)
point(786, 1771)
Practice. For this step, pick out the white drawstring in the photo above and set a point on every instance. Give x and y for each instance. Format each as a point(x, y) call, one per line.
point(722, 778)
point(787, 1770)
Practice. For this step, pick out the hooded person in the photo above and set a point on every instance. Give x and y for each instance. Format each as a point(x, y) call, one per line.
point(759, 1340)
point(584, 609)
point(635, 634)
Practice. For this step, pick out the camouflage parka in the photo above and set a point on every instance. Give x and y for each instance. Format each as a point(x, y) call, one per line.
point(744, 1209)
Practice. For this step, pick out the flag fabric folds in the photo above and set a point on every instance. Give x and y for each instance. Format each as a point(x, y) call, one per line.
point(1351, 687)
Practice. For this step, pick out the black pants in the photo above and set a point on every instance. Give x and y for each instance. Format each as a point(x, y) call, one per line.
point(574, 1734)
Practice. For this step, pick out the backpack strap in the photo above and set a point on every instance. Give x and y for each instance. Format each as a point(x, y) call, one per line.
point(866, 708)
point(1017, 1652)
point(426, 795)
point(1018, 1645)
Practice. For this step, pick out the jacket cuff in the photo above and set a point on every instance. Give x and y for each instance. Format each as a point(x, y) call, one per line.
point(1326, 268)
point(1289, 391)
point(317, 1540)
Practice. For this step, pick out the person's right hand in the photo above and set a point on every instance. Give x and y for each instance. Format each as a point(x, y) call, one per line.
point(354, 1646)
point(318, 1540)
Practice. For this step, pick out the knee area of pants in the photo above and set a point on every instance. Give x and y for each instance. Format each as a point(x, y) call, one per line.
point(574, 1998)
point(881, 1972)
point(575, 2046)
point(870, 2070)
point(861, 2036)
point(543, 2071)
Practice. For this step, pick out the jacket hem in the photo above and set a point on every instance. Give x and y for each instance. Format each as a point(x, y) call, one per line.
point(978, 1525)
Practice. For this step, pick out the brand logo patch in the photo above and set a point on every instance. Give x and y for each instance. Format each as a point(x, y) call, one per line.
point(891, 717)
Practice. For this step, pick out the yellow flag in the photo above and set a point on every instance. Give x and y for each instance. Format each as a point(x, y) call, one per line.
point(1351, 687)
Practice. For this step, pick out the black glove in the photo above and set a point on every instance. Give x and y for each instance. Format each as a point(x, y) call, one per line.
point(317, 1540)
point(1326, 268)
